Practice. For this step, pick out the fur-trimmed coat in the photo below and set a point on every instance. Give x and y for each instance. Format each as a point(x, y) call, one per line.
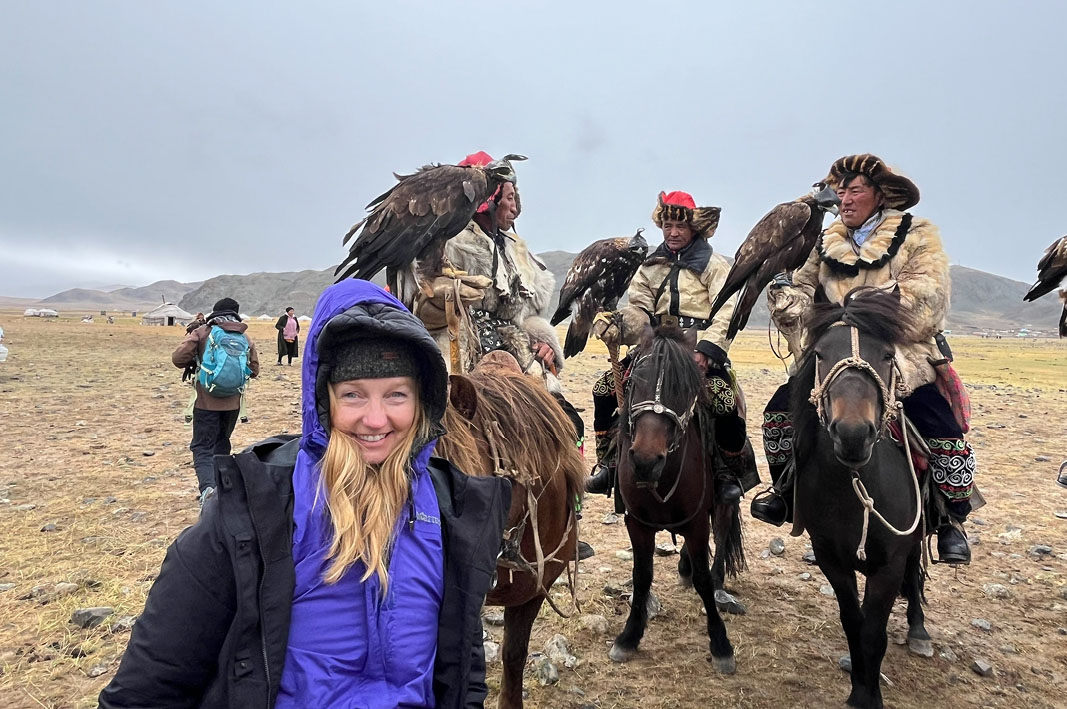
point(916, 262)
point(521, 290)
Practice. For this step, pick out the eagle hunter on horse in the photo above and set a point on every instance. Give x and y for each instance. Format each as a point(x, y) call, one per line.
point(676, 285)
point(877, 243)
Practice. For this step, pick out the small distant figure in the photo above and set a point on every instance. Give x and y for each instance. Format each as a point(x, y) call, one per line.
point(288, 336)
point(226, 358)
point(110, 320)
point(198, 321)
point(3, 350)
point(87, 318)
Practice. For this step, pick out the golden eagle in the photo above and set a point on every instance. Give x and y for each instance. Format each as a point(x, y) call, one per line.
point(408, 225)
point(1051, 270)
point(595, 282)
point(780, 241)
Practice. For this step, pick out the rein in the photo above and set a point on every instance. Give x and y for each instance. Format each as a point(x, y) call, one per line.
point(891, 408)
point(656, 406)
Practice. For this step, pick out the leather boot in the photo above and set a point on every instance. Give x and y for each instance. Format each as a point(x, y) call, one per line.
point(952, 546)
point(727, 491)
point(602, 481)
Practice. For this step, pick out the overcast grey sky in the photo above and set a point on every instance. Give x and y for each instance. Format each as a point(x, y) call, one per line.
point(149, 140)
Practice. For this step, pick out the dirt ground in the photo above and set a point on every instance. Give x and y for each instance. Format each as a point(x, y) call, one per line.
point(97, 481)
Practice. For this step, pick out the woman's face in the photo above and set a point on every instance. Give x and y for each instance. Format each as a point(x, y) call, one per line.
point(506, 207)
point(377, 413)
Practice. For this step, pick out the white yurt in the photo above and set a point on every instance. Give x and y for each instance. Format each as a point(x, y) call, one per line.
point(245, 316)
point(304, 318)
point(167, 314)
point(264, 316)
point(31, 313)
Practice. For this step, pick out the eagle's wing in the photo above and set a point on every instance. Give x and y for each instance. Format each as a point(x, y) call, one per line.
point(588, 267)
point(1051, 269)
point(413, 219)
point(777, 243)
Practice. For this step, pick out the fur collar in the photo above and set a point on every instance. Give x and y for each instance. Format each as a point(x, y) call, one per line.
point(835, 246)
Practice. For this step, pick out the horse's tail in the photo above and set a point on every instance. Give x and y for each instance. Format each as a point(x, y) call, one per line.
point(729, 537)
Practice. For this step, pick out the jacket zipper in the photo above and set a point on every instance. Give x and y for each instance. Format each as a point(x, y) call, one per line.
point(259, 591)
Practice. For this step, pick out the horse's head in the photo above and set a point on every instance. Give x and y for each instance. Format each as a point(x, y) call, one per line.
point(662, 394)
point(853, 369)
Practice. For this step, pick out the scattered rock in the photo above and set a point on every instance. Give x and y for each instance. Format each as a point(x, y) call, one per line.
point(494, 617)
point(727, 603)
point(1041, 459)
point(147, 453)
point(559, 653)
point(610, 518)
point(64, 589)
point(614, 591)
point(138, 516)
point(982, 624)
point(596, 624)
point(805, 576)
point(97, 670)
point(765, 554)
point(1039, 551)
point(948, 655)
point(91, 617)
point(6, 586)
point(826, 590)
point(624, 555)
point(492, 651)
point(50, 527)
point(666, 549)
point(123, 624)
point(605, 569)
point(546, 672)
point(1009, 649)
point(809, 556)
point(109, 500)
point(981, 667)
point(845, 663)
point(997, 590)
point(777, 546)
point(26, 508)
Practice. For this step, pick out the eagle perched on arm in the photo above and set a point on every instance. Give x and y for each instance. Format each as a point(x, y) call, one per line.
point(780, 241)
point(1051, 270)
point(595, 281)
point(408, 225)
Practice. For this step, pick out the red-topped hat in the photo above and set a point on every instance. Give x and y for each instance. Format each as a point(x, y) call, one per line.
point(681, 206)
point(478, 159)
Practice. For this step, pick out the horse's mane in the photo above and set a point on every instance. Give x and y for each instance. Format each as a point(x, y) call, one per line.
point(874, 312)
point(536, 437)
point(669, 350)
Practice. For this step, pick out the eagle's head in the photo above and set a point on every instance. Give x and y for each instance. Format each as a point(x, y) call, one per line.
point(637, 244)
point(825, 197)
point(501, 170)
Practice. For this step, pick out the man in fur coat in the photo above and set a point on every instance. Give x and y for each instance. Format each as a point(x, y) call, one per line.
point(676, 285)
point(506, 290)
point(877, 243)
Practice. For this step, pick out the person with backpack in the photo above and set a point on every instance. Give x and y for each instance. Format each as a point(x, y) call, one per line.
point(225, 359)
point(346, 567)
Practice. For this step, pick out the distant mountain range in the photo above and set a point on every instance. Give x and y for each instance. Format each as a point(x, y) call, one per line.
point(980, 300)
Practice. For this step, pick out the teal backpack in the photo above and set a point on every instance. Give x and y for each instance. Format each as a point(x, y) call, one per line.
point(224, 369)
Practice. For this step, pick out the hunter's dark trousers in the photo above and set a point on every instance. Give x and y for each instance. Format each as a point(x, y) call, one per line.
point(211, 437)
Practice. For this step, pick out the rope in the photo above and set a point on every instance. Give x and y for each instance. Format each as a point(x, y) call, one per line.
point(616, 375)
point(868, 503)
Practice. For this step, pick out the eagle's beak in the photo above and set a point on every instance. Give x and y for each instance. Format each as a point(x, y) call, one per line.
point(826, 198)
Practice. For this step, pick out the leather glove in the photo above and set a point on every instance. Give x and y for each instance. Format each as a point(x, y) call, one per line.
point(606, 329)
point(432, 310)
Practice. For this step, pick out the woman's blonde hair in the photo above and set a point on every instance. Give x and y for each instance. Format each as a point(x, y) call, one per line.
point(365, 500)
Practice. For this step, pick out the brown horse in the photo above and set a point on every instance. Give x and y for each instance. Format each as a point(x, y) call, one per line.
point(666, 483)
point(502, 422)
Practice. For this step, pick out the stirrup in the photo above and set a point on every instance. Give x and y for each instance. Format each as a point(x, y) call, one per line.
point(770, 506)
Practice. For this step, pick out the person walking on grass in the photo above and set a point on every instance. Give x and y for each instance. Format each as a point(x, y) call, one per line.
point(288, 328)
point(225, 359)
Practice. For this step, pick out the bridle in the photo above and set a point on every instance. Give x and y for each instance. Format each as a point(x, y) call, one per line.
point(820, 392)
point(656, 406)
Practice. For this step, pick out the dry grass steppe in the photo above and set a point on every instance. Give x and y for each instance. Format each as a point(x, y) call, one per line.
point(96, 482)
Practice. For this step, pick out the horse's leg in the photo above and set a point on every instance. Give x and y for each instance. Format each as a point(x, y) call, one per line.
point(881, 592)
point(685, 567)
point(918, 639)
point(643, 541)
point(722, 653)
point(729, 555)
point(843, 580)
point(518, 621)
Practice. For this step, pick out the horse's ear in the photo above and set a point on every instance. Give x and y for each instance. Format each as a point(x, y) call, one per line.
point(462, 395)
point(691, 338)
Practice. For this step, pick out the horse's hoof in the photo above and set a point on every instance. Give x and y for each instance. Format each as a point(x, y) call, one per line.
point(620, 654)
point(685, 581)
point(921, 646)
point(725, 665)
point(728, 604)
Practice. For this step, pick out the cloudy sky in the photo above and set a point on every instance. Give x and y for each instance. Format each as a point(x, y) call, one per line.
point(141, 141)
